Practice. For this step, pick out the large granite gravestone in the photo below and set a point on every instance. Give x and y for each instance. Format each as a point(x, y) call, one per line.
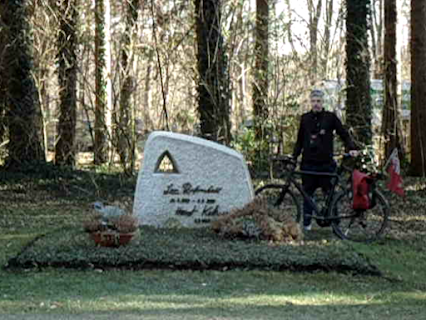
point(188, 181)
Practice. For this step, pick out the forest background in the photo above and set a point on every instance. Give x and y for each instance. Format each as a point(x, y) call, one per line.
point(83, 78)
point(86, 81)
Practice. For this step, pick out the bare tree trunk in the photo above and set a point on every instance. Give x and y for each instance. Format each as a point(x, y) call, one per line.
point(418, 88)
point(23, 116)
point(65, 152)
point(290, 24)
point(108, 81)
point(376, 31)
point(261, 87)
point(125, 129)
point(242, 92)
point(261, 81)
point(391, 123)
point(327, 35)
point(42, 85)
point(100, 147)
point(3, 81)
point(147, 95)
point(359, 108)
point(213, 88)
point(314, 16)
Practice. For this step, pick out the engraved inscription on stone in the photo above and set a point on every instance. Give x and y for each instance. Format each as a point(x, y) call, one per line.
point(187, 206)
point(189, 180)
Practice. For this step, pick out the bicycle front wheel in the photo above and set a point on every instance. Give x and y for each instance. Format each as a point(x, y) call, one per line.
point(361, 226)
point(284, 200)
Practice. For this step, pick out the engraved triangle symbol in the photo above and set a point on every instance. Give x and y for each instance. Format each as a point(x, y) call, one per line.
point(166, 164)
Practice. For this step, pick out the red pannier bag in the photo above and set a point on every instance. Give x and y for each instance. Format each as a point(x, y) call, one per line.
point(361, 187)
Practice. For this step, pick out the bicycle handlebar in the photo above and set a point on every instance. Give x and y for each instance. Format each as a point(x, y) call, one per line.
point(289, 159)
point(286, 159)
point(290, 163)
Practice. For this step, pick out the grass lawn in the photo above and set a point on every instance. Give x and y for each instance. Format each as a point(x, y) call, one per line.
point(33, 205)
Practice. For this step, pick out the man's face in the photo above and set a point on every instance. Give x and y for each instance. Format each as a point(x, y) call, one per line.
point(316, 103)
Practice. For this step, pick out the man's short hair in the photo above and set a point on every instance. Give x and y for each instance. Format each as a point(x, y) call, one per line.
point(316, 93)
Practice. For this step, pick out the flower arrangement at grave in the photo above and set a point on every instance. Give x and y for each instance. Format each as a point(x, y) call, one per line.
point(110, 226)
point(258, 220)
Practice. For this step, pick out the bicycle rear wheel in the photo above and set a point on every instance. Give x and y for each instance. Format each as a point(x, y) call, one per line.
point(286, 201)
point(361, 226)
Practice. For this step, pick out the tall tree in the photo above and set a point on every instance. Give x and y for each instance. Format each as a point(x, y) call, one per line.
point(314, 17)
point(329, 10)
point(391, 125)
point(418, 88)
point(65, 153)
point(261, 82)
point(359, 109)
point(22, 104)
point(125, 128)
point(3, 82)
point(376, 30)
point(101, 103)
point(213, 87)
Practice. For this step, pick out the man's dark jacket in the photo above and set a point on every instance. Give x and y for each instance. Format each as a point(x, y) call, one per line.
point(315, 137)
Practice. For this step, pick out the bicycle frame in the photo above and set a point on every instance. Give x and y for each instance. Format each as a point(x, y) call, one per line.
point(290, 180)
point(363, 225)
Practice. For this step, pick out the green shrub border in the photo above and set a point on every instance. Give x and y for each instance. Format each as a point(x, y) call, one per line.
point(193, 249)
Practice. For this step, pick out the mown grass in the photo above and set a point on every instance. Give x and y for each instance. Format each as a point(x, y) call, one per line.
point(32, 206)
point(209, 295)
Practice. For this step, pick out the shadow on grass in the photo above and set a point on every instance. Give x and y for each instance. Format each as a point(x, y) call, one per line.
point(188, 249)
point(260, 308)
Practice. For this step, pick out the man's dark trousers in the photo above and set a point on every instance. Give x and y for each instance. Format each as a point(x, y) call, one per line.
point(311, 183)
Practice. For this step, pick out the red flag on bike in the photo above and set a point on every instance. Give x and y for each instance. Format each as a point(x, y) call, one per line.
point(394, 170)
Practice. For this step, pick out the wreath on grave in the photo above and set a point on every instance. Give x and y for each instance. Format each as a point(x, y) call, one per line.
point(110, 226)
point(258, 220)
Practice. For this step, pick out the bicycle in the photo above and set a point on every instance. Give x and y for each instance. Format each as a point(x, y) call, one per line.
point(347, 223)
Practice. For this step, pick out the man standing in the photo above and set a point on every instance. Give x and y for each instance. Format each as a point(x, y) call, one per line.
point(315, 142)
